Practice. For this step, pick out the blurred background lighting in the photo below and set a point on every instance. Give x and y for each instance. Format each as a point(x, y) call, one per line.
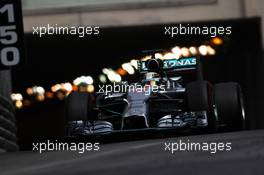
point(38, 90)
point(210, 50)
point(105, 70)
point(83, 79)
point(49, 95)
point(113, 76)
point(40, 97)
point(67, 86)
point(193, 50)
point(121, 71)
point(203, 50)
point(146, 58)
point(102, 78)
point(19, 104)
point(128, 67)
point(134, 63)
point(90, 88)
point(16, 97)
point(217, 41)
point(86, 83)
point(177, 51)
point(185, 52)
point(56, 87)
point(169, 56)
point(29, 91)
point(158, 55)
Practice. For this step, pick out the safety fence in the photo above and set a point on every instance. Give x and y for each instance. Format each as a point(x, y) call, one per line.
point(8, 129)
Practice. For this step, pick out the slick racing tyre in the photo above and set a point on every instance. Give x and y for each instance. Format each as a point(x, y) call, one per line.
point(229, 105)
point(78, 106)
point(199, 98)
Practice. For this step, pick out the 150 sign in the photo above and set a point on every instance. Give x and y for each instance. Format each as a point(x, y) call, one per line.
point(11, 33)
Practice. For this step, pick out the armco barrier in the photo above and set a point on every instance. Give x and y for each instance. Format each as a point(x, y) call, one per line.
point(8, 139)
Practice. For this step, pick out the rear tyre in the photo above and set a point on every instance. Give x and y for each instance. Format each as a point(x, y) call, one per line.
point(229, 105)
point(199, 98)
point(78, 106)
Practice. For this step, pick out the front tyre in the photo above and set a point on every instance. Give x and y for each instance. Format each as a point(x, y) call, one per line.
point(199, 98)
point(78, 106)
point(229, 105)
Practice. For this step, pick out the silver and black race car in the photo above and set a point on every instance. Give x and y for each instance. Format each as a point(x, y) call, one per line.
point(171, 95)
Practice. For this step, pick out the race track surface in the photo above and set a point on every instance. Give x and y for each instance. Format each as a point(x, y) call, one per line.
point(147, 157)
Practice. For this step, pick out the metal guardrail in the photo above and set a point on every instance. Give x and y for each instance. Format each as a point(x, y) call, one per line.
point(8, 129)
point(8, 139)
point(33, 7)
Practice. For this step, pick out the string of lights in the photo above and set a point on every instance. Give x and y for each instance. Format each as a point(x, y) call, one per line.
point(86, 83)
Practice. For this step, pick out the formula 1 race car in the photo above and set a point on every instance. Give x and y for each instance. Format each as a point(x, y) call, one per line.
point(172, 94)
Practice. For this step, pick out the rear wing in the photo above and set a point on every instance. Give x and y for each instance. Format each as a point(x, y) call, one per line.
point(171, 65)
